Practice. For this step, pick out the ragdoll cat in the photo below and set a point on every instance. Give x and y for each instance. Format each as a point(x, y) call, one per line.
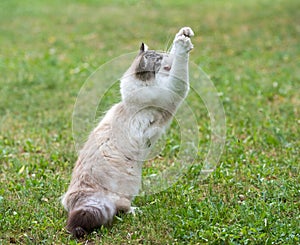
point(107, 174)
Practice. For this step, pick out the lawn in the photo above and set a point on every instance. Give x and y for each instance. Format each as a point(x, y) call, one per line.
point(251, 52)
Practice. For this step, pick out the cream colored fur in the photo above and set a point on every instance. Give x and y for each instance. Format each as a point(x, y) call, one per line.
point(107, 174)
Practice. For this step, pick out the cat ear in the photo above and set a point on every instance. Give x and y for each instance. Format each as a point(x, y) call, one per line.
point(143, 48)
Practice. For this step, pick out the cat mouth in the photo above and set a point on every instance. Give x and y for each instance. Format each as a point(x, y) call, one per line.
point(167, 67)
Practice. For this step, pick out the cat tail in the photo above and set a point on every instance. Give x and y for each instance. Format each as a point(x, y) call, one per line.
point(87, 218)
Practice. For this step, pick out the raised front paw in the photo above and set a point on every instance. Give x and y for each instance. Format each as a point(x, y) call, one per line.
point(185, 31)
point(182, 41)
point(183, 45)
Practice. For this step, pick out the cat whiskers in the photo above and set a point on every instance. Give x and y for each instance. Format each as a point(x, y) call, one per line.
point(168, 47)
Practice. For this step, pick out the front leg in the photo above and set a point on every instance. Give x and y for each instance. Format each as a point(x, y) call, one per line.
point(178, 79)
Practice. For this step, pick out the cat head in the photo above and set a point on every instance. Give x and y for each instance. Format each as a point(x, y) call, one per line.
point(148, 69)
point(148, 63)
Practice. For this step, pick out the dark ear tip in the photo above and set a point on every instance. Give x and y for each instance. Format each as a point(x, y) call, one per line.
point(142, 48)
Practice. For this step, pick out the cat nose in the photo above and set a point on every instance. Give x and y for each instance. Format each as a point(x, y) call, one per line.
point(167, 67)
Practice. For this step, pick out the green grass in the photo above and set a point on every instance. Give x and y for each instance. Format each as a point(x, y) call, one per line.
point(251, 51)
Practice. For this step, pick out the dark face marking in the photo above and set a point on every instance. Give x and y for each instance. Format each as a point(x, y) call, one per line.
point(149, 65)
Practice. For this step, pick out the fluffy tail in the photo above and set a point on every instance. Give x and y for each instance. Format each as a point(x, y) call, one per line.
point(85, 219)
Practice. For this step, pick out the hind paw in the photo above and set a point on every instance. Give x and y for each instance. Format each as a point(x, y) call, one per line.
point(134, 211)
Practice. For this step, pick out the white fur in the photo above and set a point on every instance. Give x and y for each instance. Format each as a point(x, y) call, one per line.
point(110, 164)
